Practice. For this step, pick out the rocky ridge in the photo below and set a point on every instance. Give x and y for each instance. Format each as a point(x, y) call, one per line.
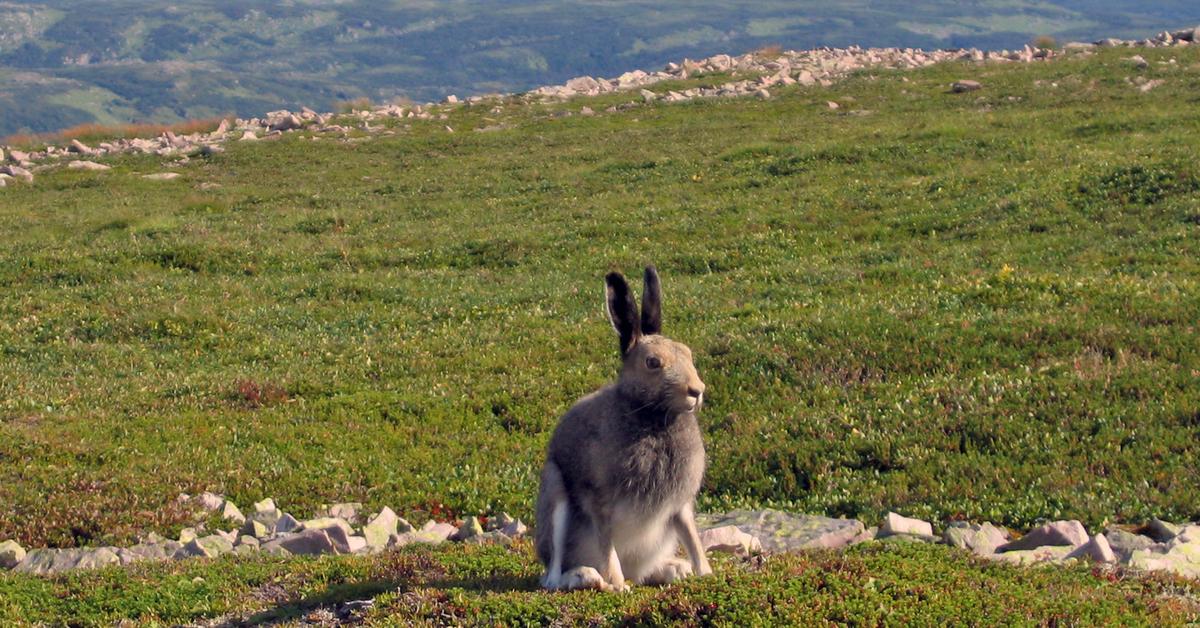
point(750, 75)
point(342, 529)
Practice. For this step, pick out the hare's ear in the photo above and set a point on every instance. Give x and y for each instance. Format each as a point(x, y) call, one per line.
point(651, 303)
point(622, 310)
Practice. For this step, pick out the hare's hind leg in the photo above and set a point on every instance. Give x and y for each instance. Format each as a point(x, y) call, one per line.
point(553, 518)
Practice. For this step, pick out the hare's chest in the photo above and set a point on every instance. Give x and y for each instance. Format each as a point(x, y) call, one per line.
point(660, 468)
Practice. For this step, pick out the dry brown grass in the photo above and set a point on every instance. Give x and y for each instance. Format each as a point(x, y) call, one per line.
point(93, 132)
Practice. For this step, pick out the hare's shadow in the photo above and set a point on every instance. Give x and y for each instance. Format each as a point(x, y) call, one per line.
point(344, 599)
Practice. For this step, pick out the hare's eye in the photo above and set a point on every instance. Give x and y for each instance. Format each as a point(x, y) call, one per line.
point(653, 362)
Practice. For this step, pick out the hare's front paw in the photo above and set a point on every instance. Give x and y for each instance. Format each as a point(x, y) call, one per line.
point(583, 578)
point(671, 570)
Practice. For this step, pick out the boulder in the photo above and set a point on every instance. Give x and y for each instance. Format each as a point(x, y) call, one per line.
point(897, 524)
point(152, 552)
point(515, 529)
point(322, 523)
point(164, 176)
point(256, 529)
point(1159, 530)
point(11, 554)
point(870, 534)
point(306, 543)
point(17, 172)
point(1096, 549)
point(1044, 554)
point(468, 529)
point(286, 523)
point(729, 539)
point(340, 537)
point(348, 511)
point(186, 535)
point(1059, 533)
point(52, 561)
point(17, 156)
point(1180, 555)
point(77, 146)
point(207, 547)
point(208, 501)
point(247, 540)
point(444, 530)
point(780, 531)
point(430, 537)
point(959, 87)
point(230, 512)
point(1125, 543)
point(248, 136)
point(980, 539)
point(289, 122)
point(380, 528)
point(87, 165)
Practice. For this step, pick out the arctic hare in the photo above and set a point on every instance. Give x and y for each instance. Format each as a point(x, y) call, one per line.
point(625, 463)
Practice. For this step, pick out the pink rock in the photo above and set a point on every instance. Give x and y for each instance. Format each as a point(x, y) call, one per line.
point(896, 524)
point(1070, 533)
point(1096, 549)
point(729, 539)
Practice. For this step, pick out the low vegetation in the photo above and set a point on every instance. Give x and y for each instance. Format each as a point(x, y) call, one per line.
point(958, 306)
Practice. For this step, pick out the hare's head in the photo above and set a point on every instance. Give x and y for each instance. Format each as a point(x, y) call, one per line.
point(657, 372)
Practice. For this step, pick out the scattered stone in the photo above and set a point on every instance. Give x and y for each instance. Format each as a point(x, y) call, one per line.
point(587, 111)
point(979, 539)
point(380, 528)
point(866, 535)
point(729, 539)
point(208, 501)
point(287, 123)
point(1059, 533)
point(17, 172)
point(209, 547)
point(1180, 555)
point(832, 105)
point(247, 540)
point(515, 529)
point(896, 524)
point(77, 146)
point(358, 544)
point(451, 99)
point(151, 552)
point(470, 528)
point(87, 165)
point(907, 538)
point(1139, 62)
point(11, 554)
point(781, 531)
point(248, 136)
point(52, 561)
point(444, 530)
point(340, 537)
point(1124, 543)
point(164, 176)
point(1149, 85)
point(959, 87)
point(1045, 554)
point(306, 543)
point(430, 537)
point(287, 523)
point(347, 511)
point(1096, 549)
point(1161, 531)
point(230, 512)
point(762, 94)
point(322, 523)
point(498, 522)
point(186, 535)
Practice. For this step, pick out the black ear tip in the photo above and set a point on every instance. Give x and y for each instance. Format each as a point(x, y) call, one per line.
point(615, 279)
point(651, 271)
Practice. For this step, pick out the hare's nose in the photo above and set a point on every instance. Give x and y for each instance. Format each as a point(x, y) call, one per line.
point(695, 392)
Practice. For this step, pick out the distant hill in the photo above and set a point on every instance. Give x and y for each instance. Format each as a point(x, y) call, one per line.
point(64, 63)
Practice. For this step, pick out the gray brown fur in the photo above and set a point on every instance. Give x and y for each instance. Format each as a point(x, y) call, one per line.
point(625, 463)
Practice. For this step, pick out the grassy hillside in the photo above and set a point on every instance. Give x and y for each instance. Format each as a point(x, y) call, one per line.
point(974, 306)
point(64, 63)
